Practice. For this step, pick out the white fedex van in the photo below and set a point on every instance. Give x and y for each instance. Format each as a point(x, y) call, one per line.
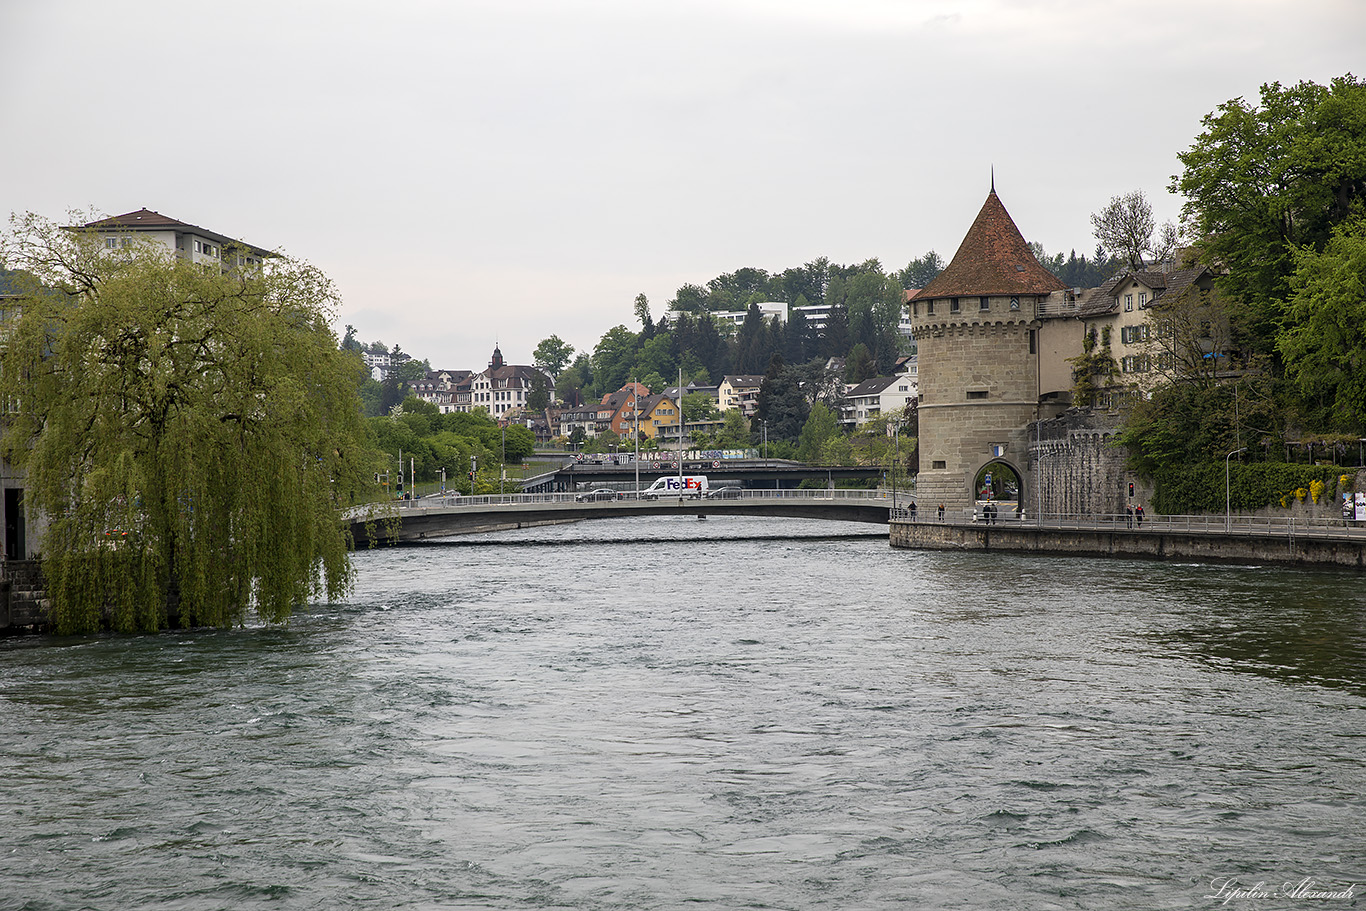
point(690, 485)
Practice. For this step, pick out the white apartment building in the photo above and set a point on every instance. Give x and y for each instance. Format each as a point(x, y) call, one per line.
point(189, 242)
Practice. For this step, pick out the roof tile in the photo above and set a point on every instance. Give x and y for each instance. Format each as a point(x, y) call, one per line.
point(992, 259)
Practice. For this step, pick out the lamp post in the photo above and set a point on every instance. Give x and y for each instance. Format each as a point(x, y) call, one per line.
point(635, 414)
point(1228, 502)
point(503, 459)
point(896, 446)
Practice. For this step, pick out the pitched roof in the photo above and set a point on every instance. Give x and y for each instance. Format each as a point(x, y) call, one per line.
point(992, 259)
point(146, 220)
point(875, 386)
point(744, 379)
point(1165, 285)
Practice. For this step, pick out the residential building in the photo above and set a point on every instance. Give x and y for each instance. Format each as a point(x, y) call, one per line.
point(659, 417)
point(877, 396)
point(439, 387)
point(740, 391)
point(504, 387)
point(189, 242)
point(584, 418)
point(1119, 316)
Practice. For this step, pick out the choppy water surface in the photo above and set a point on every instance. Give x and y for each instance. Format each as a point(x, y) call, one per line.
point(679, 713)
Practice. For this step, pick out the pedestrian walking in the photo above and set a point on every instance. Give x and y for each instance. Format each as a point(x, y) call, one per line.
point(1138, 514)
point(913, 510)
point(1129, 515)
point(941, 512)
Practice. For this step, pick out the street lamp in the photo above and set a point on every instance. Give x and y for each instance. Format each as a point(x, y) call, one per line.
point(1228, 508)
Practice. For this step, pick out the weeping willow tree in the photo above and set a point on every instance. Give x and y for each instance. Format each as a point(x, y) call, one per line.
point(189, 436)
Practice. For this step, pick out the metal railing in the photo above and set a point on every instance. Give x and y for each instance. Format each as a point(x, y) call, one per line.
point(1252, 526)
point(485, 501)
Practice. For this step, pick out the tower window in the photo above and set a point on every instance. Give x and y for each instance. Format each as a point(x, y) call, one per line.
point(984, 303)
point(953, 305)
point(976, 394)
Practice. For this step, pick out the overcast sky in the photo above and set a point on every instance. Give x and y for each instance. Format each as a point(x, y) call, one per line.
point(480, 172)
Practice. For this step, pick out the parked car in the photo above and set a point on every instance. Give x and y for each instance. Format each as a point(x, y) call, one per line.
point(725, 493)
point(601, 493)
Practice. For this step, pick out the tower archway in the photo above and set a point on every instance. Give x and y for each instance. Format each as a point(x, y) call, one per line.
point(999, 482)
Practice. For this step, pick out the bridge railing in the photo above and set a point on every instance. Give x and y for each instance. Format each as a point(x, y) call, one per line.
point(485, 501)
point(1277, 526)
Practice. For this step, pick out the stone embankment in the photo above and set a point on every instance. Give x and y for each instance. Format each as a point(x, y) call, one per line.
point(1318, 546)
point(23, 602)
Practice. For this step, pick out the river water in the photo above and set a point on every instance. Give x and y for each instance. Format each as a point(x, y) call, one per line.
point(729, 713)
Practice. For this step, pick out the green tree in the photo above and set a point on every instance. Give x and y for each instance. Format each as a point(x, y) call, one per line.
point(1264, 180)
point(734, 433)
point(700, 407)
point(642, 311)
point(538, 399)
point(1125, 228)
point(612, 359)
point(821, 426)
point(552, 354)
point(861, 365)
point(751, 343)
point(208, 419)
point(349, 341)
point(1324, 343)
point(782, 404)
point(920, 272)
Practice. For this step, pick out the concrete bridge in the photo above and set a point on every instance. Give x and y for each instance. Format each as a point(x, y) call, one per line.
point(409, 522)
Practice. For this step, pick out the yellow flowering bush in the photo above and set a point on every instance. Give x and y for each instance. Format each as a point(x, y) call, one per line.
point(1316, 489)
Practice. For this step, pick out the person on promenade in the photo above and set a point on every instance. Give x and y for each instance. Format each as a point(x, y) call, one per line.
point(941, 512)
point(1129, 515)
point(913, 510)
point(1138, 514)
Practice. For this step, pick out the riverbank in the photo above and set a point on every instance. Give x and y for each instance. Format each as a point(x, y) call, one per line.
point(1242, 544)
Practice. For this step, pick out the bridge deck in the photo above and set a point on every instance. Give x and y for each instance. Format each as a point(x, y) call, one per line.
point(439, 517)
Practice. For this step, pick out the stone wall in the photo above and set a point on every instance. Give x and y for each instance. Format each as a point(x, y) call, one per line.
point(1079, 467)
point(1150, 543)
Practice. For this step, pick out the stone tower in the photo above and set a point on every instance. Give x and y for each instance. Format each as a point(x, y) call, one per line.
point(976, 327)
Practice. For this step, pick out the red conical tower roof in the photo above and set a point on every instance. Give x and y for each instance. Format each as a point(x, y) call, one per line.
point(992, 259)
